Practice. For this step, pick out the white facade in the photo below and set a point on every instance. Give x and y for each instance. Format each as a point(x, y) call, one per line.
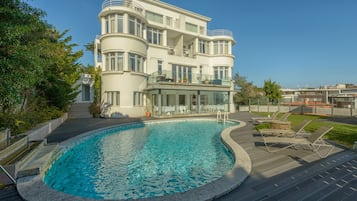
point(158, 58)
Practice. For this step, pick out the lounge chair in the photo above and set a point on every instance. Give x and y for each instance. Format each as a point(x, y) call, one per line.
point(314, 141)
point(282, 118)
point(272, 117)
point(296, 131)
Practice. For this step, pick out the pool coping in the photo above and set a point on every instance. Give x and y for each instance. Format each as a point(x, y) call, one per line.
point(33, 188)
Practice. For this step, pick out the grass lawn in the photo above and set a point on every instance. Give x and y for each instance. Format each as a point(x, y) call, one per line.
point(344, 134)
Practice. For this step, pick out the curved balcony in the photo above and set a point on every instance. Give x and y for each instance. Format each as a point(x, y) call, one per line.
point(123, 3)
point(220, 32)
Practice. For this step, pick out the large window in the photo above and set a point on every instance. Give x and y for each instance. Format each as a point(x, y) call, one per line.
point(181, 73)
point(114, 61)
point(221, 72)
point(203, 46)
point(120, 23)
point(135, 26)
point(220, 47)
point(113, 97)
point(136, 63)
point(191, 27)
point(114, 24)
point(155, 17)
point(106, 25)
point(154, 36)
point(138, 99)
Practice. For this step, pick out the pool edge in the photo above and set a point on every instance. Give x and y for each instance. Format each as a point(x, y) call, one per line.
point(33, 187)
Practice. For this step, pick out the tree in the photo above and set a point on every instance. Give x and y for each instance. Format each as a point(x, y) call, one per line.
point(61, 70)
point(246, 90)
point(21, 28)
point(272, 91)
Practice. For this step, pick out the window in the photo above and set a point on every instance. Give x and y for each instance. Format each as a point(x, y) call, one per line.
point(220, 47)
point(114, 61)
point(202, 30)
point(138, 98)
point(154, 36)
point(179, 73)
point(132, 62)
point(106, 25)
point(132, 25)
point(168, 21)
point(120, 23)
point(120, 61)
point(154, 17)
point(221, 72)
point(191, 27)
point(203, 46)
point(135, 26)
point(182, 99)
point(136, 63)
point(159, 67)
point(112, 24)
point(113, 97)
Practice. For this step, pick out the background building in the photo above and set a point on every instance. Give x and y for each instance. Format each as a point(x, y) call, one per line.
point(158, 58)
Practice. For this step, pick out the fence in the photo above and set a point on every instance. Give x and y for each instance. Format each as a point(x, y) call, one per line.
point(37, 134)
point(300, 109)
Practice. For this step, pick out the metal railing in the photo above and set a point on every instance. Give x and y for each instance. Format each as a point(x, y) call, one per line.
point(194, 78)
point(220, 32)
point(8, 174)
point(125, 3)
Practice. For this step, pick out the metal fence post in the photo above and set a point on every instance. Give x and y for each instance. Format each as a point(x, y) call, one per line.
point(8, 136)
point(332, 107)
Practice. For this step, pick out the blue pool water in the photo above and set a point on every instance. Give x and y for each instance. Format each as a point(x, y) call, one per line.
point(142, 160)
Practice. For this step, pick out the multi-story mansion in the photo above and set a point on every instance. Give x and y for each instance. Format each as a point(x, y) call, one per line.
point(158, 58)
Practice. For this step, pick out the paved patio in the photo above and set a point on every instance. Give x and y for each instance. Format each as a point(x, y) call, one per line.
point(286, 175)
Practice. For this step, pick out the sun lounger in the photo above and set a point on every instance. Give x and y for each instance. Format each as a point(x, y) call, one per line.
point(282, 118)
point(272, 117)
point(314, 141)
point(297, 131)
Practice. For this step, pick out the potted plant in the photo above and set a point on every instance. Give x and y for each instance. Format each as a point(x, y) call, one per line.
point(185, 79)
point(206, 81)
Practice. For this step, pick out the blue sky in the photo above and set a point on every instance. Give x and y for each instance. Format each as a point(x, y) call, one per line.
point(297, 43)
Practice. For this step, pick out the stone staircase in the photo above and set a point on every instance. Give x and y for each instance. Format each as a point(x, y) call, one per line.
point(79, 110)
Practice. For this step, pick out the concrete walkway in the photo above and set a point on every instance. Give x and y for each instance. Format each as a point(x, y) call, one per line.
point(286, 175)
point(293, 174)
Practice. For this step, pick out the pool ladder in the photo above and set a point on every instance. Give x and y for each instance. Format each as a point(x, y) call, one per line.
point(219, 116)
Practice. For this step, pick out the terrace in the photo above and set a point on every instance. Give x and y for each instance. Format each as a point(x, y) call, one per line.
point(170, 77)
point(294, 174)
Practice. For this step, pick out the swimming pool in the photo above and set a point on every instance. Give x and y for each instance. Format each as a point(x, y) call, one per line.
point(142, 160)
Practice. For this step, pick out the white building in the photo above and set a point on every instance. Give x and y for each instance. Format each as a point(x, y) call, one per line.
point(85, 89)
point(158, 58)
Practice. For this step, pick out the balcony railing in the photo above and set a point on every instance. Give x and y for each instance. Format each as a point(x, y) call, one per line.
point(220, 32)
point(124, 3)
point(193, 78)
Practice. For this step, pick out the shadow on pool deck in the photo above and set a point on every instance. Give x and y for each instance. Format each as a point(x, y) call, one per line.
point(287, 175)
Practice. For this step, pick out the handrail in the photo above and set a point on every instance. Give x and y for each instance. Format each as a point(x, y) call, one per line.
point(8, 174)
point(219, 116)
point(220, 32)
